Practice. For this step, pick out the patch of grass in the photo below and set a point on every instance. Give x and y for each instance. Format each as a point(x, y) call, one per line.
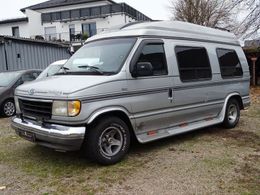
point(223, 162)
point(249, 179)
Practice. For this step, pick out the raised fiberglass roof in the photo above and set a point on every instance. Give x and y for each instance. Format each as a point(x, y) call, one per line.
point(171, 29)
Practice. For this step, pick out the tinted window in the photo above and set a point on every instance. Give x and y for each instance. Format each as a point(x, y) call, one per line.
point(95, 11)
point(75, 13)
point(229, 63)
point(105, 9)
point(29, 77)
point(46, 17)
point(85, 12)
point(193, 63)
point(154, 53)
point(56, 16)
point(65, 15)
point(116, 8)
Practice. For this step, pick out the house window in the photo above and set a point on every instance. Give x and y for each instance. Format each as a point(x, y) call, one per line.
point(89, 29)
point(105, 10)
point(85, 12)
point(229, 63)
point(50, 33)
point(55, 16)
point(46, 17)
point(95, 11)
point(72, 31)
point(75, 14)
point(15, 31)
point(193, 63)
point(65, 15)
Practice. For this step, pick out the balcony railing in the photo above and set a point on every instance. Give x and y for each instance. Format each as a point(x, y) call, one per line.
point(94, 12)
point(77, 36)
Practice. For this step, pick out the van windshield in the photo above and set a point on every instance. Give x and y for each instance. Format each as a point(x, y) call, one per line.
point(104, 57)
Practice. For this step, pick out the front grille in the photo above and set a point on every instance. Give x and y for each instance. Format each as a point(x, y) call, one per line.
point(36, 109)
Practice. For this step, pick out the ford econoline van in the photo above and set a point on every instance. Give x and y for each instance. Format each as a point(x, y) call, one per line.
point(149, 80)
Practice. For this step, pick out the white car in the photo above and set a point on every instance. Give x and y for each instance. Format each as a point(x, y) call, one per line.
point(52, 69)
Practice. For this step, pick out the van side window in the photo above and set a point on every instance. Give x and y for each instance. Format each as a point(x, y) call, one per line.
point(193, 63)
point(229, 63)
point(155, 54)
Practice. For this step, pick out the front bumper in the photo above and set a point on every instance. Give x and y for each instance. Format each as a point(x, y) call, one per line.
point(58, 137)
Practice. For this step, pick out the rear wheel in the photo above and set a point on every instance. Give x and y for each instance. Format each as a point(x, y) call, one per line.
point(232, 115)
point(8, 108)
point(108, 141)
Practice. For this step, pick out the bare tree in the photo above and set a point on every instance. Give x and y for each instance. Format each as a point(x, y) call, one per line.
point(250, 24)
point(211, 13)
point(220, 14)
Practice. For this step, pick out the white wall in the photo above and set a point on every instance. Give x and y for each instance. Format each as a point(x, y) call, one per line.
point(35, 23)
point(6, 29)
point(102, 24)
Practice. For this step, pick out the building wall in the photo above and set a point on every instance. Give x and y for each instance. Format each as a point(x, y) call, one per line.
point(23, 55)
point(62, 28)
point(34, 23)
point(35, 27)
point(6, 29)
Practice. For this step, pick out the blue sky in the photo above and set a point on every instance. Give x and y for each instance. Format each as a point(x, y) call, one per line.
point(155, 9)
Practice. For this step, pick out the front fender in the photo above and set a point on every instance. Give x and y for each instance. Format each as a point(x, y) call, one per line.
point(105, 110)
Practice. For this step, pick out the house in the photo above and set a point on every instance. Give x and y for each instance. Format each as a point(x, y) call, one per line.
point(70, 20)
point(252, 52)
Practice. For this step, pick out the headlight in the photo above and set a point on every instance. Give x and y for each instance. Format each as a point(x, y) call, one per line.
point(66, 108)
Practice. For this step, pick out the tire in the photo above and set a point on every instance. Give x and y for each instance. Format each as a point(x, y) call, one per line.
point(232, 114)
point(8, 108)
point(108, 141)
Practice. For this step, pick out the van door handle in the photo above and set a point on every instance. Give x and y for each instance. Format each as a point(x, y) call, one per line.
point(170, 94)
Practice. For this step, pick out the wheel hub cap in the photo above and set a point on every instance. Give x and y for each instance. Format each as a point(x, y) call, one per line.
point(111, 141)
point(9, 109)
point(232, 113)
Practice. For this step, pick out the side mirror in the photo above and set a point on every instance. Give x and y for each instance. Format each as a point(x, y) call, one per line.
point(143, 69)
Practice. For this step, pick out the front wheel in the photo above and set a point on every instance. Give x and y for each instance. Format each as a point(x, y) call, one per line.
point(232, 115)
point(108, 141)
point(8, 108)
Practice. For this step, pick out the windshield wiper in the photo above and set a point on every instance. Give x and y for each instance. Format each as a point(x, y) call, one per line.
point(65, 69)
point(96, 69)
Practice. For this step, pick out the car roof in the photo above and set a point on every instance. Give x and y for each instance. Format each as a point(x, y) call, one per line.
point(170, 29)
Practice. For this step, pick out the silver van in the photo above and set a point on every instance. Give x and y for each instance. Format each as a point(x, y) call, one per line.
point(149, 80)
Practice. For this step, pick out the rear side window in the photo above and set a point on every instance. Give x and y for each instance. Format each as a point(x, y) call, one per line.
point(193, 63)
point(229, 63)
point(154, 53)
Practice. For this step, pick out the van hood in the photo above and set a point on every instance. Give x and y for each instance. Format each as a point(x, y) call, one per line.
point(60, 86)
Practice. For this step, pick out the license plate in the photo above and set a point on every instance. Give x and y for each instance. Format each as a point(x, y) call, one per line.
point(27, 135)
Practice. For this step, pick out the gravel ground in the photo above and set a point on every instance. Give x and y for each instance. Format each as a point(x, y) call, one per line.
point(209, 161)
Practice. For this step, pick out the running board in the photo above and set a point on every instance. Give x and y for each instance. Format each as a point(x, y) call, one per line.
point(168, 132)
